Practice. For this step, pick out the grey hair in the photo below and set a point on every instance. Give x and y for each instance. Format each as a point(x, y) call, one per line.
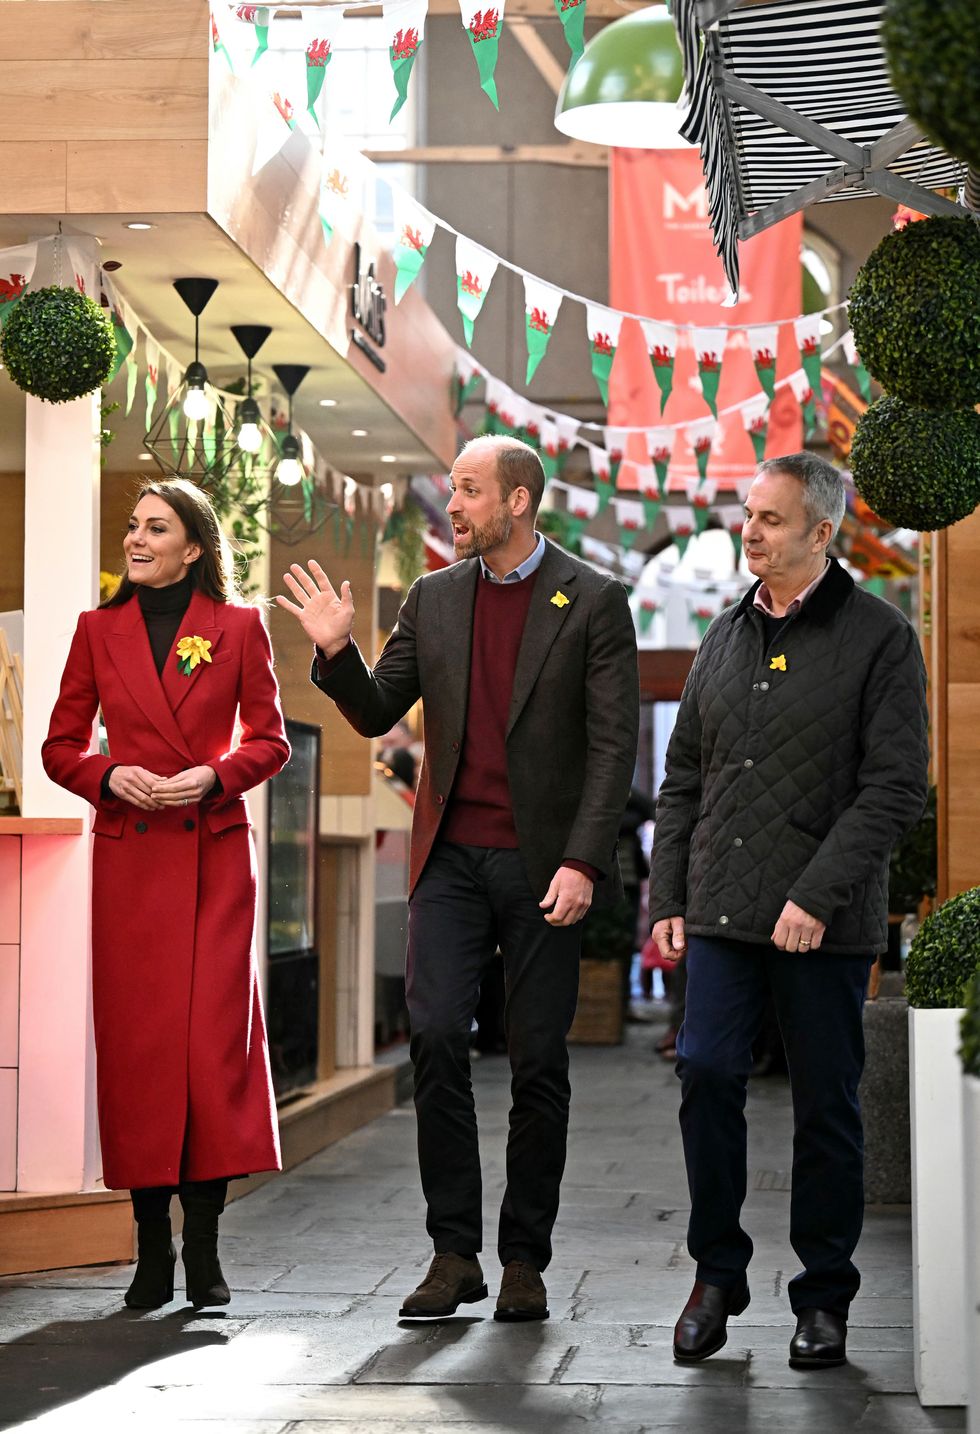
point(823, 488)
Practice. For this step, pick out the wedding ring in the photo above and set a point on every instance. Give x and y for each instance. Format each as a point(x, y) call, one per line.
point(804, 944)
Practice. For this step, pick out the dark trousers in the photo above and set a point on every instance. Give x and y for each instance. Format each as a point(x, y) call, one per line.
point(152, 1202)
point(469, 901)
point(818, 1000)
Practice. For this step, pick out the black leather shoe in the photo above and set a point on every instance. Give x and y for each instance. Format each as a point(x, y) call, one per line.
point(820, 1341)
point(701, 1330)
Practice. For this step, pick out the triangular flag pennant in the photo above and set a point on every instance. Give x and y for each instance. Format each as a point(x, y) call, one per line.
point(414, 227)
point(276, 121)
point(339, 187)
point(495, 396)
point(568, 436)
point(519, 416)
point(701, 493)
point(647, 606)
point(482, 20)
point(807, 329)
point(571, 13)
point(475, 268)
point(466, 377)
point(582, 507)
point(650, 494)
point(132, 375)
point(218, 46)
point(549, 448)
point(603, 326)
point(660, 442)
point(704, 607)
point(16, 268)
point(680, 521)
point(319, 38)
point(799, 382)
point(709, 347)
point(507, 411)
point(532, 428)
point(152, 379)
point(616, 440)
point(755, 416)
point(122, 336)
point(860, 372)
point(404, 23)
point(764, 343)
point(701, 435)
point(541, 305)
point(630, 520)
point(661, 342)
point(258, 17)
point(605, 484)
point(733, 518)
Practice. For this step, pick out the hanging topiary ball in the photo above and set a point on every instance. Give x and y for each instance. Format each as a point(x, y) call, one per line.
point(917, 468)
point(915, 313)
point(932, 48)
point(58, 344)
point(945, 955)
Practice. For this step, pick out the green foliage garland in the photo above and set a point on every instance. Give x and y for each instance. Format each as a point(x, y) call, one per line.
point(932, 48)
point(917, 468)
point(945, 955)
point(915, 313)
point(970, 1030)
point(58, 344)
point(406, 530)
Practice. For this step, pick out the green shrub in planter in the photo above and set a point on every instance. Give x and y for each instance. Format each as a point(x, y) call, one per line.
point(970, 1030)
point(915, 467)
point(932, 48)
point(915, 312)
point(58, 344)
point(945, 955)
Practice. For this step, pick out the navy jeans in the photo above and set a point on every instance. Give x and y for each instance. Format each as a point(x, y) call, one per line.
point(818, 999)
point(468, 901)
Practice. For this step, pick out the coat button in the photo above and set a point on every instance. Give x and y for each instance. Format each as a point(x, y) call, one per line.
point(764, 686)
point(755, 687)
point(737, 841)
point(189, 824)
point(748, 762)
point(723, 921)
point(141, 827)
point(440, 800)
point(455, 746)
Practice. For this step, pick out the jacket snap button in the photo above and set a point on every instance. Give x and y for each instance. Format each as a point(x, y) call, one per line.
point(723, 921)
point(755, 687)
point(748, 762)
point(737, 841)
point(440, 800)
point(188, 824)
point(764, 686)
point(455, 746)
point(141, 827)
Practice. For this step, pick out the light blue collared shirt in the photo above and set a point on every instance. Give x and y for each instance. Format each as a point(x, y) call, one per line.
point(530, 565)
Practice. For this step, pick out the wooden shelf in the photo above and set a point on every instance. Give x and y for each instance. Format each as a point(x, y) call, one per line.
point(41, 826)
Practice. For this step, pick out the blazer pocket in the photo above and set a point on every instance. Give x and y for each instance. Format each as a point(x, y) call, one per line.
point(222, 819)
point(109, 824)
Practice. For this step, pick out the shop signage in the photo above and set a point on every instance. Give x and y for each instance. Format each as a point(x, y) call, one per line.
point(367, 298)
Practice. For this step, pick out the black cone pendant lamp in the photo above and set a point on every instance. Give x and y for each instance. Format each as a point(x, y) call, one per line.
point(290, 470)
point(183, 438)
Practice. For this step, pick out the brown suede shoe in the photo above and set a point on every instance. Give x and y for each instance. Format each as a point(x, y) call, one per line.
point(522, 1294)
point(451, 1281)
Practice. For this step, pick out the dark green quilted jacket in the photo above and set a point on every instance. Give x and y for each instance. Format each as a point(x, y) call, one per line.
point(793, 780)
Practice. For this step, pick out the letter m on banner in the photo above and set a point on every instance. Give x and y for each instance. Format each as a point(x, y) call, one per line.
point(696, 201)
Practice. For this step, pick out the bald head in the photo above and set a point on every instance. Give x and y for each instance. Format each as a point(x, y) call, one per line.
point(517, 466)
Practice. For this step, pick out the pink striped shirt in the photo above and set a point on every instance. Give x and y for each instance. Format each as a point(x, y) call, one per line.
point(763, 598)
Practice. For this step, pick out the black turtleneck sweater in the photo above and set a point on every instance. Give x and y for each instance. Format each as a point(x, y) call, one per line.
point(163, 611)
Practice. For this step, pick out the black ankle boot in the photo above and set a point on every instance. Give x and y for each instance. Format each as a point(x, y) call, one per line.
point(203, 1204)
point(153, 1282)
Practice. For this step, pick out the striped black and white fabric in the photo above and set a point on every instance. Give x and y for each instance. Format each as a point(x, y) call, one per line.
point(823, 60)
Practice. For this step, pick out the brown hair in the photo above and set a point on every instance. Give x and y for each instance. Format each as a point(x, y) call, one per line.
point(518, 466)
point(214, 571)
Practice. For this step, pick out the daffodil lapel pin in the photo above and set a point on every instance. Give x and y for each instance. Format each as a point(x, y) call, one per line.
point(559, 599)
point(778, 664)
point(191, 651)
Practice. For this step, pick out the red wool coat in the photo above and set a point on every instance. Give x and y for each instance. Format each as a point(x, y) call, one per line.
point(184, 1084)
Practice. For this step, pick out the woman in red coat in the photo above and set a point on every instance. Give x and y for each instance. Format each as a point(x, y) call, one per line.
point(184, 1087)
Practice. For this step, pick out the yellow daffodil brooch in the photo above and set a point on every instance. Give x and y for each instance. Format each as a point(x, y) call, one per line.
point(191, 651)
point(559, 599)
point(778, 664)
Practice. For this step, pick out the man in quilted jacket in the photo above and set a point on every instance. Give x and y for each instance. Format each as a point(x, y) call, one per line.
point(798, 759)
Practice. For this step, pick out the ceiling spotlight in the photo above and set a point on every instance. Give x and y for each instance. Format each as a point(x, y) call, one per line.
point(358, 433)
point(145, 458)
point(389, 458)
point(328, 403)
point(139, 224)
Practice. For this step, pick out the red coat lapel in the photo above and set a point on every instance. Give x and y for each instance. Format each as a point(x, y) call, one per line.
point(198, 621)
point(129, 648)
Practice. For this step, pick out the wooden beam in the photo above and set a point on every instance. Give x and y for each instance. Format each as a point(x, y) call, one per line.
point(577, 153)
point(531, 42)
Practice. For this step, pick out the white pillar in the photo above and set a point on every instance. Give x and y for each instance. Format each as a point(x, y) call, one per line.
point(57, 1149)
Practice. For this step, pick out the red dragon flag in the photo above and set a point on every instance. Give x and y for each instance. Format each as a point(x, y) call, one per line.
point(631, 520)
point(475, 268)
point(764, 342)
point(807, 329)
point(319, 38)
point(605, 484)
point(341, 182)
point(404, 24)
point(733, 517)
point(16, 268)
point(660, 443)
point(617, 440)
point(709, 347)
point(700, 436)
point(701, 494)
point(541, 305)
point(680, 521)
point(482, 21)
point(603, 326)
point(860, 372)
point(414, 228)
point(661, 342)
point(571, 13)
point(258, 17)
point(755, 416)
point(651, 492)
point(466, 378)
point(806, 397)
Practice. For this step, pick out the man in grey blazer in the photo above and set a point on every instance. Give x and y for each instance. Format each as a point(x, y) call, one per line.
point(525, 660)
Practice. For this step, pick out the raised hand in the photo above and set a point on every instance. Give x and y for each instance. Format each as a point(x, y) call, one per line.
point(326, 618)
point(135, 784)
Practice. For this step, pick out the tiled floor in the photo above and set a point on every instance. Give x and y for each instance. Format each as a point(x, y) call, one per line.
point(319, 1259)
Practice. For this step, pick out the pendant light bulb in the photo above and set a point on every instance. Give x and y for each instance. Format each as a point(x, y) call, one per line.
point(290, 470)
point(195, 399)
point(249, 437)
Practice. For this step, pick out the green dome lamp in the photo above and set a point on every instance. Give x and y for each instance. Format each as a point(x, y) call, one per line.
point(624, 88)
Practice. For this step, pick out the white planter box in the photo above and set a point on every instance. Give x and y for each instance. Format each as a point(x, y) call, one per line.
point(971, 1210)
point(938, 1282)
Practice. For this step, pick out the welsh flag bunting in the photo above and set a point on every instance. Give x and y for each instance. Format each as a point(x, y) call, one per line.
point(701, 493)
point(733, 518)
point(603, 326)
point(680, 521)
point(277, 120)
point(338, 182)
point(764, 343)
point(582, 507)
point(541, 305)
point(701, 435)
point(16, 268)
point(519, 416)
point(650, 494)
point(860, 372)
point(496, 396)
point(709, 347)
point(151, 380)
point(567, 434)
point(704, 607)
point(630, 520)
point(466, 377)
point(475, 268)
point(415, 227)
point(660, 442)
point(799, 382)
point(132, 374)
point(258, 17)
point(532, 426)
point(549, 448)
point(755, 417)
point(218, 45)
point(605, 483)
point(320, 33)
point(807, 329)
point(616, 439)
point(482, 20)
point(661, 342)
point(404, 24)
point(571, 13)
point(123, 339)
point(647, 606)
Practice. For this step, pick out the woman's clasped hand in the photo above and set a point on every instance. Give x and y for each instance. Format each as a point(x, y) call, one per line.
point(147, 790)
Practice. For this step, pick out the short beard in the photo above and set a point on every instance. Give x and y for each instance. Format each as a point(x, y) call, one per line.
point(494, 533)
